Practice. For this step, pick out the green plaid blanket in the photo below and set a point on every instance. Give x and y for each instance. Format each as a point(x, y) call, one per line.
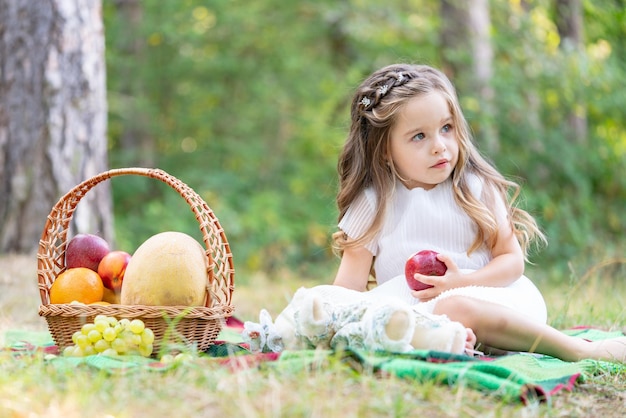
point(516, 377)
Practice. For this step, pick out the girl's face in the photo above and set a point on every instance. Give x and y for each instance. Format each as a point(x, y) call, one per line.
point(424, 148)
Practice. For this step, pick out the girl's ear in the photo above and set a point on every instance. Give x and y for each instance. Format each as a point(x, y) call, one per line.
point(385, 157)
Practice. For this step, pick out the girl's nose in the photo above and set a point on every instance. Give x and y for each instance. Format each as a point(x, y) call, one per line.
point(439, 145)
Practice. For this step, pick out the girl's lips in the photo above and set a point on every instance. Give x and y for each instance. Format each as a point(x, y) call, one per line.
point(440, 164)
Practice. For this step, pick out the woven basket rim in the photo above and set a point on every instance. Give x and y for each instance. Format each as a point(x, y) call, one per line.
point(135, 311)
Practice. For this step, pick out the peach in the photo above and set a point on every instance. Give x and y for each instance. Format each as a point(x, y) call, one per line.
point(112, 268)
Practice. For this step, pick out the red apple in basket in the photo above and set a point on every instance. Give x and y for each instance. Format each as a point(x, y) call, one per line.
point(86, 250)
point(426, 263)
point(112, 268)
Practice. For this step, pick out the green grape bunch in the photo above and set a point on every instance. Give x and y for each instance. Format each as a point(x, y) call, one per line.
point(109, 337)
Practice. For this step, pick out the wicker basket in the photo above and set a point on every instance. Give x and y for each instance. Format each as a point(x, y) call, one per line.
point(192, 326)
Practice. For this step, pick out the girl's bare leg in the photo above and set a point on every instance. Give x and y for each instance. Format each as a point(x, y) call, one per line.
point(505, 329)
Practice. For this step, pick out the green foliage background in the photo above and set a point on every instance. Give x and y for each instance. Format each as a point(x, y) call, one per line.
point(247, 102)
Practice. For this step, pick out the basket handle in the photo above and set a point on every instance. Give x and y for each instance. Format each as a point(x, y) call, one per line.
point(51, 253)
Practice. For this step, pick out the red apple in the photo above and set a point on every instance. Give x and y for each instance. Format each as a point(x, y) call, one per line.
point(426, 263)
point(86, 250)
point(112, 268)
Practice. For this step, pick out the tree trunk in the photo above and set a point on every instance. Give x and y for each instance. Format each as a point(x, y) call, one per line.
point(134, 137)
point(52, 117)
point(453, 36)
point(569, 22)
point(465, 34)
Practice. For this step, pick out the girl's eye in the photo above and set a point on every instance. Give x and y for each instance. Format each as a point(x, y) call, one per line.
point(419, 137)
point(446, 128)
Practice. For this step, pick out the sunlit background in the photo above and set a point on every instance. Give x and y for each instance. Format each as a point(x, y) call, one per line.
point(247, 102)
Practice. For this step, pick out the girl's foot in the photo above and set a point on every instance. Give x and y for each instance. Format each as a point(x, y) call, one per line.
point(613, 350)
point(470, 341)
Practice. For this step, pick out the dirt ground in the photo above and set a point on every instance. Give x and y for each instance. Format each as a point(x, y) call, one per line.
point(19, 293)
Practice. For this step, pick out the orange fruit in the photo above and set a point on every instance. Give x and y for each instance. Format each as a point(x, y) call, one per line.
point(77, 284)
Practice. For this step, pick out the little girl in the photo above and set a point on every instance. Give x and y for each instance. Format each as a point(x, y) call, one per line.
point(412, 179)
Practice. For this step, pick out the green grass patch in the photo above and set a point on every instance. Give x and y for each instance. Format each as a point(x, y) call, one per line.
point(31, 386)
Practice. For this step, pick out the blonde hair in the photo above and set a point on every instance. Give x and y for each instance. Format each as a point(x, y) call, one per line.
point(364, 159)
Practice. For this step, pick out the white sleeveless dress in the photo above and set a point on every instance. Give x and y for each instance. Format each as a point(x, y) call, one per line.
point(419, 219)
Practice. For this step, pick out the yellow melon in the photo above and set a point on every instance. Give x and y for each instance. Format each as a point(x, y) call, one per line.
point(168, 269)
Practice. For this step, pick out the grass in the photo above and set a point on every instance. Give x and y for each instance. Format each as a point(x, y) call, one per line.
point(32, 387)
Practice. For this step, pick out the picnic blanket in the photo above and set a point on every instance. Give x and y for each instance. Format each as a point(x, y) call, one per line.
point(518, 377)
point(521, 377)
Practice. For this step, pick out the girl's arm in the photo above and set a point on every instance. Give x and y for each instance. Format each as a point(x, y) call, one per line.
point(354, 269)
point(506, 266)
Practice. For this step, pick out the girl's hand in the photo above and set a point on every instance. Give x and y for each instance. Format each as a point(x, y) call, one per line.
point(452, 279)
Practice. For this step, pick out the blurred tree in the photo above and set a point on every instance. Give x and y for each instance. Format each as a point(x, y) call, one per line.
point(569, 23)
point(52, 116)
point(134, 139)
point(465, 37)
